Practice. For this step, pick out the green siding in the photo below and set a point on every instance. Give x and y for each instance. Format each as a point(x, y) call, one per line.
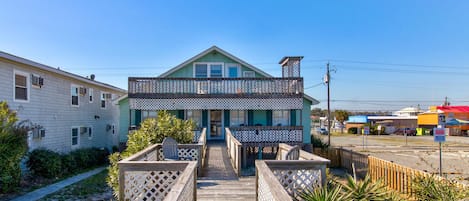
point(124, 119)
point(138, 117)
point(227, 118)
point(269, 117)
point(205, 118)
point(250, 118)
point(260, 117)
point(306, 120)
point(188, 70)
point(293, 118)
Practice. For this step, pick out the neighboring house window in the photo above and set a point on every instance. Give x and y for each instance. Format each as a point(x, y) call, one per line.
point(281, 117)
point(75, 137)
point(21, 86)
point(237, 118)
point(74, 94)
point(90, 95)
point(232, 70)
point(203, 70)
point(103, 100)
point(90, 132)
point(196, 116)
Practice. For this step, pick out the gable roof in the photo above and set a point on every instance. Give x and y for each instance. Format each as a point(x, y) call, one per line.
point(34, 64)
point(207, 51)
point(225, 53)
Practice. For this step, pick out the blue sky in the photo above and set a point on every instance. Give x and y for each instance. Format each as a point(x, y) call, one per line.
point(386, 54)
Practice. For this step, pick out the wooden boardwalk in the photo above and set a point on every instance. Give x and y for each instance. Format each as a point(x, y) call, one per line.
point(219, 181)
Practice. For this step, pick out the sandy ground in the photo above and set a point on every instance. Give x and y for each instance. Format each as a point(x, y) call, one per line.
point(419, 153)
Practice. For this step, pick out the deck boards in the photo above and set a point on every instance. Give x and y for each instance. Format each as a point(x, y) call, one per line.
point(219, 181)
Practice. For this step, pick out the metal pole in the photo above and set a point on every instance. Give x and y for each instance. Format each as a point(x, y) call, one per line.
point(328, 106)
point(405, 131)
point(441, 171)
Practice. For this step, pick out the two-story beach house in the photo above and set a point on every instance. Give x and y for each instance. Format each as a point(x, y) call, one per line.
point(64, 111)
point(218, 90)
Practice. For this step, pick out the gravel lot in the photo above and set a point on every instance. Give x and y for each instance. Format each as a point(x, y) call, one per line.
point(419, 153)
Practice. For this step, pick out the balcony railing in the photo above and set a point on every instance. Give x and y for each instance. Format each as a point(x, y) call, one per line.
point(161, 88)
point(268, 135)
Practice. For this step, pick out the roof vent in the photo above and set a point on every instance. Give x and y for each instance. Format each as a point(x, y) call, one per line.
point(92, 76)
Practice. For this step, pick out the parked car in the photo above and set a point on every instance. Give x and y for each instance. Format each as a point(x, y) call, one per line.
point(322, 131)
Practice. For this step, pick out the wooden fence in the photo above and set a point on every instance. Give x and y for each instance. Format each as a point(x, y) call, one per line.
point(394, 176)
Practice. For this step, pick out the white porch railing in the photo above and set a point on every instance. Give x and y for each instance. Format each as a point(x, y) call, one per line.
point(284, 180)
point(145, 176)
point(268, 135)
point(234, 151)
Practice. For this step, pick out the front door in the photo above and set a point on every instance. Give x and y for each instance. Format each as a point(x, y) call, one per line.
point(216, 126)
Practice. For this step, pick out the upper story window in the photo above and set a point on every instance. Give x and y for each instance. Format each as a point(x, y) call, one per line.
point(21, 85)
point(90, 95)
point(103, 100)
point(203, 70)
point(232, 70)
point(74, 94)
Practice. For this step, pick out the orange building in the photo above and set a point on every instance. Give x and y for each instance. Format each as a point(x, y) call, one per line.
point(456, 118)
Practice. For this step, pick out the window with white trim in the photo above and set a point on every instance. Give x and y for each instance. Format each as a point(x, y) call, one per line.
point(281, 117)
point(90, 95)
point(237, 118)
point(232, 70)
point(249, 74)
point(103, 100)
point(75, 137)
point(195, 115)
point(74, 91)
point(203, 70)
point(21, 85)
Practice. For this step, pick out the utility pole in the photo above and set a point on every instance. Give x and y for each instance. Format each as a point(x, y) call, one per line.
point(328, 81)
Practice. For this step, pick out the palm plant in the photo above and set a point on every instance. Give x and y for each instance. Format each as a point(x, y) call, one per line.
point(328, 193)
point(430, 188)
point(365, 190)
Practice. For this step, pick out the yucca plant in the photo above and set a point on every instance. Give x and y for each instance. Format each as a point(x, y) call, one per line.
point(365, 190)
point(430, 188)
point(331, 192)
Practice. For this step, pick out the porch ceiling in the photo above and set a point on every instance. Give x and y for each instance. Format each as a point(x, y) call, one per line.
point(219, 103)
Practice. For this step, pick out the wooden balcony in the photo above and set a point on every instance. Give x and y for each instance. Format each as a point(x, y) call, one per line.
point(163, 88)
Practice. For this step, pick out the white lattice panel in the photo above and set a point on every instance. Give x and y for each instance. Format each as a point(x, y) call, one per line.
point(271, 136)
point(264, 190)
point(216, 103)
point(149, 185)
point(296, 181)
point(184, 154)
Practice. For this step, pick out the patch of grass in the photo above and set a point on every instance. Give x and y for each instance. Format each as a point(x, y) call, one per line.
point(91, 187)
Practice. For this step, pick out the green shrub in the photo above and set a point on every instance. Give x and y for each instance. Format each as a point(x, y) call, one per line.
point(45, 163)
point(50, 164)
point(151, 131)
point(430, 188)
point(318, 143)
point(13, 146)
point(352, 130)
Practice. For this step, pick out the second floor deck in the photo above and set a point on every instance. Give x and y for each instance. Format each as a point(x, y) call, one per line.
point(163, 88)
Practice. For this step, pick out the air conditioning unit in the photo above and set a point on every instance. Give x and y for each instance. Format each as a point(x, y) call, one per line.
point(82, 91)
point(37, 81)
